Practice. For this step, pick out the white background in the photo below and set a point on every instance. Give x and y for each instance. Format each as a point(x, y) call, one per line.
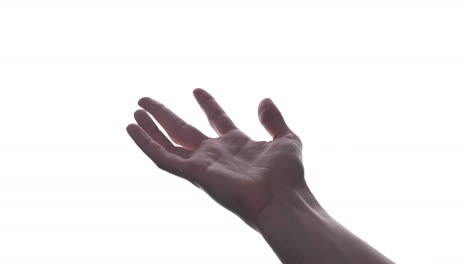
point(377, 90)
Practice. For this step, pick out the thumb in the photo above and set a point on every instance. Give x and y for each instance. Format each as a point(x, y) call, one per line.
point(271, 119)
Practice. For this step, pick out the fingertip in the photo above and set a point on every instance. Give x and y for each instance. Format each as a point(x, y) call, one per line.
point(197, 91)
point(264, 104)
point(142, 118)
point(200, 93)
point(138, 134)
point(139, 113)
point(144, 101)
point(131, 128)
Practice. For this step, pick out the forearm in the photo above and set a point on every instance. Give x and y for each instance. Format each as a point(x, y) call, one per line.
point(300, 231)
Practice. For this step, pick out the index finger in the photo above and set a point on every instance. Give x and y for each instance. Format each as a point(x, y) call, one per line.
point(218, 119)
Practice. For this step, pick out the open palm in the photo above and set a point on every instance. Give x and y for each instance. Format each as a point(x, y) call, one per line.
point(241, 174)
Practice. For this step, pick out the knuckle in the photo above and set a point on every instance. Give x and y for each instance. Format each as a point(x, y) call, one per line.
point(295, 138)
point(181, 124)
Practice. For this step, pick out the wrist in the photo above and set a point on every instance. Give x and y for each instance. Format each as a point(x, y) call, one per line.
point(292, 200)
point(300, 231)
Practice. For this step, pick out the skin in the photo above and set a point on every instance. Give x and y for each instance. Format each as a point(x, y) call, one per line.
point(241, 174)
point(260, 181)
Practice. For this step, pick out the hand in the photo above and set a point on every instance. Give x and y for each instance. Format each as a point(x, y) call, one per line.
point(239, 173)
